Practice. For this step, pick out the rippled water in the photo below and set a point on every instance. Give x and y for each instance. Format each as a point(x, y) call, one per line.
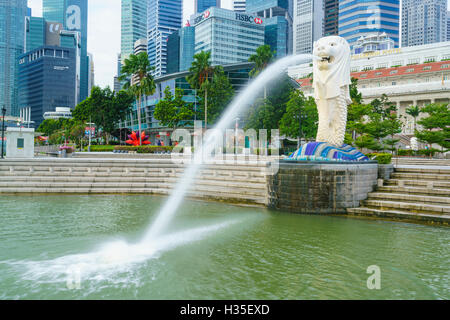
point(213, 251)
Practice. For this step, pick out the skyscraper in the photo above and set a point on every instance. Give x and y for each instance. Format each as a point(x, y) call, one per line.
point(448, 25)
point(12, 39)
point(423, 22)
point(307, 25)
point(239, 5)
point(278, 22)
point(202, 5)
point(134, 25)
point(164, 17)
point(73, 14)
point(331, 18)
point(362, 18)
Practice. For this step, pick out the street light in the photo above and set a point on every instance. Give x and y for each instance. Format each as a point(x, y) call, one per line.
point(3, 128)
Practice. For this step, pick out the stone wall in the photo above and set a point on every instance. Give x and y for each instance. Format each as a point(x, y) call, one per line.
point(321, 187)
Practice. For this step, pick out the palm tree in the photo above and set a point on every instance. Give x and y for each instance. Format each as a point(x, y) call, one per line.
point(201, 70)
point(413, 111)
point(263, 56)
point(137, 72)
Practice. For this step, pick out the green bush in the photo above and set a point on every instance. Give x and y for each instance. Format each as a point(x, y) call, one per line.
point(428, 152)
point(382, 158)
point(405, 152)
point(99, 148)
point(144, 149)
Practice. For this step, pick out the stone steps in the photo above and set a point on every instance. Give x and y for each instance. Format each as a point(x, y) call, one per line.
point(406, 206)
point(418, 183)
point(414, 198)
point(400, 215)
point(420, 176)
point(415, 190)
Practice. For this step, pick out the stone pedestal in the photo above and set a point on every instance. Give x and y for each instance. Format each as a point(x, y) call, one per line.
point(321, 187)
point(19, 142)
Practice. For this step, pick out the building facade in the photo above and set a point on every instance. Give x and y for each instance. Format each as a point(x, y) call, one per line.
point(372, 43)
point(164, 17)
point(202, 5)
point(73, 15)
point(331, 18)
point(35, 28)
point(409, 76)
point(48, 77)
point(12, 38)
point(239, 5)
point(187, 47)
point(307, 24)
point(359, 18)
point(278, 22)
point(133, 25)
point(231, 37)
point(423, 22)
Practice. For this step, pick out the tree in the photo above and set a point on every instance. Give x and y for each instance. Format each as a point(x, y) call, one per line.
point(137, 67)
point(413, 111)
point(393, 126)
point(105, 108)
point(171, 110)
point(262, 58)
point(201, 71)
point(49, 126)
point(435, 125)
point(301, 117)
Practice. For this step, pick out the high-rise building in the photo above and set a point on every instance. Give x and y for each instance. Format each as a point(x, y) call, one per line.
point(35, 28)
point(362, 18)
point(202, 5)
point(448, 25)
point(239, 5)
point(73, 14)
point(47, 80)
point(423, 22)
point(307, 24)
point(187, 47)
point(278, 22)
point(331, 18)
point(173, 52)
point(91, 82)
point(164, 17)
point(134, 25)
point(12, 39)
point(244, 34)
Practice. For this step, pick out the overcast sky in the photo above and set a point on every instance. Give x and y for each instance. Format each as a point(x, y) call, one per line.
point(104, 34)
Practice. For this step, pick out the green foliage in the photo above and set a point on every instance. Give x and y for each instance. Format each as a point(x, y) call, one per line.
point(428, 152)
point(104, 108)
point(104, 148)
point(300, 109)
point(173, 109)
point(413, 111)
point(263, 56)
point(366, 141)
point(405, 152)
point(144, 149)
point(220, 94)
point(435, 126)
point(51, 126)
point(382, 158)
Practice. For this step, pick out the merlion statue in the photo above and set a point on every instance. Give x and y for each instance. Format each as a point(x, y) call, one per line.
point(331, 84)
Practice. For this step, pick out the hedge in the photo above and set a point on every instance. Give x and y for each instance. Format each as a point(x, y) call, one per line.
point(382, 158)
point(100, 148)
point(405, 152)
point(144, 149)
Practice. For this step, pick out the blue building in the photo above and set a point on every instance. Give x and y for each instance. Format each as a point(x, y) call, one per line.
point(47, 80)
point(164, 17)
point(133, 26)
point(173, 53)
point(277, 16)
point(187, 47)
point(73, 14)
point(202, 5)
point(359, 18)
point(12, 38)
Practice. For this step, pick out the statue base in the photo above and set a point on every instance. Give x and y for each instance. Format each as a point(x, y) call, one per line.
point(322, 151)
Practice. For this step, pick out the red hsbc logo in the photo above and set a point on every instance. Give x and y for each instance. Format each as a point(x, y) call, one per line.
point(258, 20)
point(206, 14)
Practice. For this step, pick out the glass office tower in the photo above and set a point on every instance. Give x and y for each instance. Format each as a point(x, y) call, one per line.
point(164, 17)
point(202, 5)
point(12, 39)
point(73, 14)
point(134, 25)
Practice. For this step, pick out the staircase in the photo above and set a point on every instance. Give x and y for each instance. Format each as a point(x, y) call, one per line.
point(414, 193)
point(420, 161)
point(230, 182)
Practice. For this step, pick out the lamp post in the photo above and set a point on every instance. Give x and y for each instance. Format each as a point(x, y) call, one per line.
point(3, 128)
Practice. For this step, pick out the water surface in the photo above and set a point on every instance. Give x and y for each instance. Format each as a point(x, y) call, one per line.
point(213, 251)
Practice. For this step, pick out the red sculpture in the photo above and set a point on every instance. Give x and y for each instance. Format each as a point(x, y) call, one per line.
point(134, 139)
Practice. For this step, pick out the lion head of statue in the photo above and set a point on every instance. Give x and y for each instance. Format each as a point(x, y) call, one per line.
point(331, 65)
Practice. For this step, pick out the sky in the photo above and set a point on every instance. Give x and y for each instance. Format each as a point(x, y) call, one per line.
point(104, 34)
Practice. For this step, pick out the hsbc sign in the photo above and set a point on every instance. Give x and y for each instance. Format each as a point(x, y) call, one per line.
point(249, 19)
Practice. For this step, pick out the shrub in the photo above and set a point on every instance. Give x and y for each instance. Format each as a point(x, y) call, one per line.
point(382, 158)
point(405, 152)
point(144, 149)
point(99, 148)
point(428, 152)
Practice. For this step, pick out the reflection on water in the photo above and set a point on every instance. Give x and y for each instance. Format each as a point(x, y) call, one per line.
point(51, 249)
